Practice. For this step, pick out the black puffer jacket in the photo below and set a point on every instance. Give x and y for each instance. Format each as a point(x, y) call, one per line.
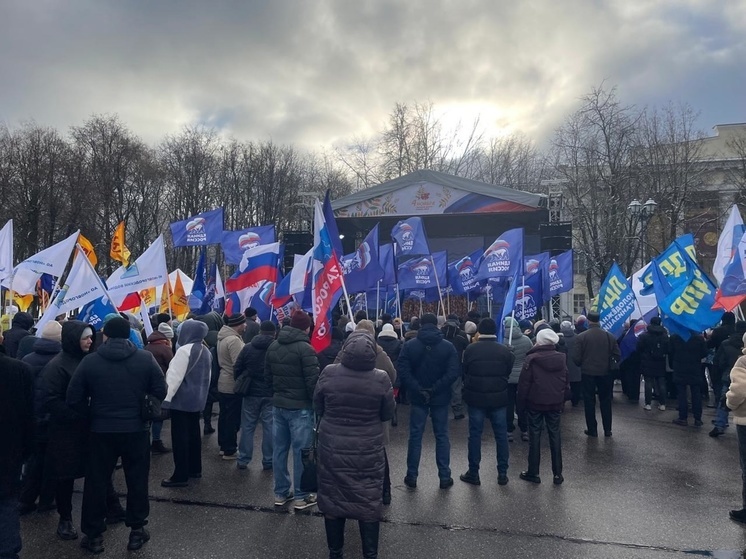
point(327, 356)
point(428, 362)
point(250, 362)
point(686, 359)
point(116, 379)
point(653, 346)
point(19, 329)
point(68, 428)
point(726, 356)
point(353, 399)
point(17, 421)
point(544, 384)
point(291, 369)
point(44, 351)
point(487, 366)
point(392, 346)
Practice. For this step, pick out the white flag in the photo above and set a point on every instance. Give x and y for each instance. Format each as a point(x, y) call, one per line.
point(725, 244)
point(81, 287)
point(6, 250)
point(50, 261)
point(219, 288)
point(147, 271)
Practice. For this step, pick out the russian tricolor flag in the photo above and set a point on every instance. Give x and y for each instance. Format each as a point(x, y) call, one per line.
point(296, 281)
point(261, 266)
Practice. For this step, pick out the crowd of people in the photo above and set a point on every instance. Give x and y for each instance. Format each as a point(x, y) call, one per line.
point(79, 403)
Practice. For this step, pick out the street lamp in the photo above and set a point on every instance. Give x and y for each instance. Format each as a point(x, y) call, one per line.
point(643, 213)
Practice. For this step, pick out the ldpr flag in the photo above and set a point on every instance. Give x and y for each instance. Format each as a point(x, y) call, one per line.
point(616, 301)
point(671, 262)
point(202, 229)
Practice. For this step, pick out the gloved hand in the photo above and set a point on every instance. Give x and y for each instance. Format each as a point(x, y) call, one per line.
point(426, 395)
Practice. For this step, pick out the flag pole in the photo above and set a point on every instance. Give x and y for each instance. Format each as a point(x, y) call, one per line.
point(344, 290)
point(378, 300)
point(168, 294)
point(398, 305)
point(437, 282)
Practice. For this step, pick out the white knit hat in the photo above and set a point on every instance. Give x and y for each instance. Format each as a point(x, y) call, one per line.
point(547, 336)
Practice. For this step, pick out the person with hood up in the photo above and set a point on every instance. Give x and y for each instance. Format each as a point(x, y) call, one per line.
point(161, 346)
point(428, 366)
point(487, 367)
point(20, 327)
point(111, 385)
point(328, 355)
point(257, 396)
point(686, 360)
point(68, 427)
point(543, 387)
point(35, 483)
point(573, 370)
point(725, 357)
point(354, 399)
point(188, 381)
point(229, 347)
point(520, 344)
point(653, 347)
point(736, 401)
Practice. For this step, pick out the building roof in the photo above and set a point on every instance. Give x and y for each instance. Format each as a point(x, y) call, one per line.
point(432, 192)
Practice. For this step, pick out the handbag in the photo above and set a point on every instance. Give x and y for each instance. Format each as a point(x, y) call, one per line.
point(151, 409)
point(309, 479)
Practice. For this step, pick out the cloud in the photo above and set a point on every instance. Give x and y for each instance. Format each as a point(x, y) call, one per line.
point(315, 73)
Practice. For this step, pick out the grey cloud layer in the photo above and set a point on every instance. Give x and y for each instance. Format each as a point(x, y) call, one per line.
point(314, 73)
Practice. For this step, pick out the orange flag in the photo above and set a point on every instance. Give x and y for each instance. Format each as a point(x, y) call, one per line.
point(147, 296)
point(87, 247)
point(179, 299)
point(164, 297)
point(119, 250)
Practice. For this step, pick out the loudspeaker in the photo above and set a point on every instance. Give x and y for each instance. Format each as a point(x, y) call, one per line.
point(555, 237)
point(296, 242)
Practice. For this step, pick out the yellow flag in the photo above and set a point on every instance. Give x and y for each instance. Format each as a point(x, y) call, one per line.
point(164, 297)
point(119, 250)
point(87, 247)
point(179, 300)
point(23, 302)
point(147, 296)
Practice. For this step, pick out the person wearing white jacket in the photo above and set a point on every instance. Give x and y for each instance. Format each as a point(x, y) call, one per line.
point(188, 380)
point(736, 401)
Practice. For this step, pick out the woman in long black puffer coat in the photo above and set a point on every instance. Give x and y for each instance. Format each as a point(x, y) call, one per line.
point(353, 399)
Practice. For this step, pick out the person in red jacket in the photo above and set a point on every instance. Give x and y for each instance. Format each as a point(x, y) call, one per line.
point(543, 387)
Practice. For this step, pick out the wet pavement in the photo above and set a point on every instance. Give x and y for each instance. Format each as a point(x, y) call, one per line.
point(653, 490)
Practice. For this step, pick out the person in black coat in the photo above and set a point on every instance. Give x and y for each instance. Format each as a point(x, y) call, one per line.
point(16, 442)
point(353, 399)
point(725, 358)
point(653, 347)
point(686, 359)
point(328, 355)
point(453, 333)
point(19, 329)
point(487, 366)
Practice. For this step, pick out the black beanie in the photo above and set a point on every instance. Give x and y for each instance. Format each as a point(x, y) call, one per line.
point(234, 320)
point(428, 318)
point(267, 326)
point(117, 328)
point(487, 326)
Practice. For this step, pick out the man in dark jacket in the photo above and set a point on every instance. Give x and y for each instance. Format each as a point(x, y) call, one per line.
point(428, 366)
point(543, 387)
point(19, 329)
point(722, 332)
point(725, 357)
point(652, 349)
point(257, 396)
point(111, 385)
point(686, 361)
point(162, 349)
point(16, 442)
point(292, 370)
point(252, 325)
point(454, 334)
point(592, 352)
point(487, 365)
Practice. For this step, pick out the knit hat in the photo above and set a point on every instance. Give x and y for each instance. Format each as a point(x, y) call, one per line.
point(566, 327)
point(300, 320)
point(23, 320)
point(366, 326)
point(166, 330)
point(117, 328)
point(428, 318)
point(510, 322)
point(387, 332)
point(656, 321)
point(268, 327)
point(488, 327)
point(594, 317)
point(525, 324)
point(234, 320)
point(162, 317)
point(52, 331)
point(250, 312)
point(547, 336)
point(470, 328)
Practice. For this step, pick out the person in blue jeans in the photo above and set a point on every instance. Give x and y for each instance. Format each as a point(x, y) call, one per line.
point(487, 366)
point(428, 365)
point(725, 357)
point(257, 396)
point(291, 369)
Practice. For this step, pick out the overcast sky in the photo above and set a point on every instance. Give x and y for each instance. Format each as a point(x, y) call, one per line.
point(317, 72)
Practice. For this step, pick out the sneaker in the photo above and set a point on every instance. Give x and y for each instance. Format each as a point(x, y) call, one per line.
point(157, 447)
point(558, 479)
point(662, 407)
point(698, 423)
point(209, 429)
point(682, 422)
point(410, 482)
point(171, 483)
point(524, 436)
point(529, 477)
point(307, 503)
point(502, 479)
point(607, 433)
point(66, 530)
point(138, 538)
point(232, 456)
point(94, 545)
point(590, 433)
point(281, 501)
point(510, 437)
point(738, 515)
point(648, 407)
point(470, 478)
point(241, 465)
point(459, 416)
point(716, 432)
point(446, 483)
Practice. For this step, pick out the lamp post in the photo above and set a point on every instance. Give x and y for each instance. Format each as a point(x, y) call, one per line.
point(643, 213)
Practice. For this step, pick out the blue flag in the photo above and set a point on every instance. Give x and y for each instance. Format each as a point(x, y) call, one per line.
point(628, 343)
point(331, 225)
point(616, 301)
point(208, 301)
point(462, 274)
point(410, 237)
point(536, 270)
point(561, 277)
point(671, 262)
point(510, 301)
point(528, 297)
point(201, 229)
point(388, 264)
point(93, 313)
point(236, 243)
point(362, 269)
point(261, 300)
point(504, 257)
point(418, 273)
point(199, 288)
